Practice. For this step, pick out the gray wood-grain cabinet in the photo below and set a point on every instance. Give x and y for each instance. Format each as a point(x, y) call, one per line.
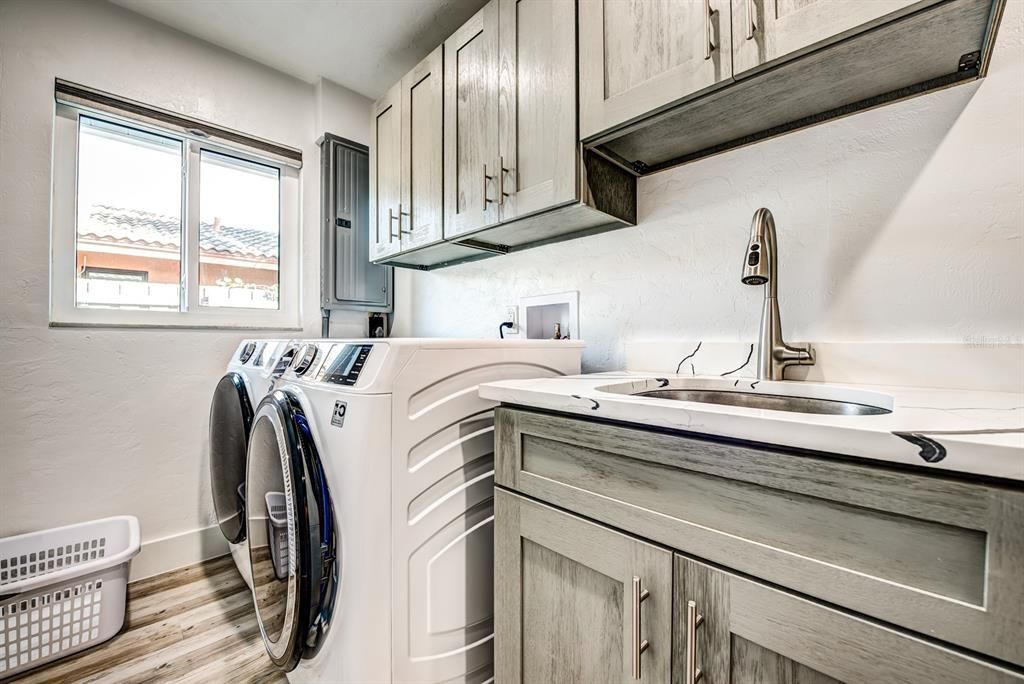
point(406, 166)
point(863, 559)
point(514, 172)
point(638, 56)
point(577, 602)
point(664, 82)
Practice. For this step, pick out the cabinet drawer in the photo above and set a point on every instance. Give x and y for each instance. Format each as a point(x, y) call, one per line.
point(933, 554)
point(749, 632)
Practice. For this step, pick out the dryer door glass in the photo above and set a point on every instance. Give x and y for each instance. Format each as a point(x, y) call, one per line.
point(230, 419)
point(291, 533)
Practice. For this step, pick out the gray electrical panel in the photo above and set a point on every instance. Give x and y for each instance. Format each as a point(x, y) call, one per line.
point(347, 278)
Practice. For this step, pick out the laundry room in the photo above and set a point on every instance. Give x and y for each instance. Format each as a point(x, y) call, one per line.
point(515, 341)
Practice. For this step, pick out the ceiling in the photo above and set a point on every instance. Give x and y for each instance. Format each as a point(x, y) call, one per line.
point(365, 45)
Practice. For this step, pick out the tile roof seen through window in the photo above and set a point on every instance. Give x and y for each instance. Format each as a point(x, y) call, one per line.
point(135, 227)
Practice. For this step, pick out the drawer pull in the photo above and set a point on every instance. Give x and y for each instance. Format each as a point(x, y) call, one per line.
point(400, 215)
point(693, 621)
point(392, 217)
point(639, 645)
point(501, 181)
point(709, 38)
point(485, 179)
point(751, 19)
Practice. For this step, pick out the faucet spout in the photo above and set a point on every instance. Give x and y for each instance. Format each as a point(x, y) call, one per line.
point(760, 267)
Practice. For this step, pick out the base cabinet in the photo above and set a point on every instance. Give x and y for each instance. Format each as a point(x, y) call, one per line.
point(625, 555)
point(734, 630)
point(575, 601)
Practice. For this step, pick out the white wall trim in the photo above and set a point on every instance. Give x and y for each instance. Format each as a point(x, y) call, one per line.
point(177, 551)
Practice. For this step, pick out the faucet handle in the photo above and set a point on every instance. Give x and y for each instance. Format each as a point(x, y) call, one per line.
point(797, 354)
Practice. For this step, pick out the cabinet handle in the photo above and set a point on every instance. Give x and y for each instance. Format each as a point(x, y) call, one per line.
point(751, 19)
point(501, 181)
point(639, 645)
point(400, 215)
point(709, 43)
point(391, 219)
point(693, 621)
point(485, 179)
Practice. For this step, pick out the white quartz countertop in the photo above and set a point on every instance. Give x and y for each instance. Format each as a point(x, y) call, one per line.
point(962, 431)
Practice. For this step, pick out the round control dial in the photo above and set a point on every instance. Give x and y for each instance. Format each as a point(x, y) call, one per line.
point(304, 358)
point(247, 351)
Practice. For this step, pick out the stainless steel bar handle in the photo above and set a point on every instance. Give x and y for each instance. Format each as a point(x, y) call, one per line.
point(400, 215)
point(693, 620)
point(486, 178)
point(391, 219)
point(751, 19)
point(639, 645)
point(501, 180)
point(709, 42)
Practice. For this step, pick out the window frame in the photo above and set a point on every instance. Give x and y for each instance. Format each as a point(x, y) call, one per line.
point(64, 233)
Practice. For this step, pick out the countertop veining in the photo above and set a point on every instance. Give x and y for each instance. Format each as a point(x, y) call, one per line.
point(964, 431)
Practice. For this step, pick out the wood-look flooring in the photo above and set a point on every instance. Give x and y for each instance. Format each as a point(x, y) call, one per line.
point(194, 625)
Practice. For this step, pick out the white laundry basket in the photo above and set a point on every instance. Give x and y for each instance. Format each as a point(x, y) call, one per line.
point(63, 590)
point(277, 532)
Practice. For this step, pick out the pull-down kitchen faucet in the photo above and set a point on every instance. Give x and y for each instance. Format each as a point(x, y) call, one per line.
point(773, 354)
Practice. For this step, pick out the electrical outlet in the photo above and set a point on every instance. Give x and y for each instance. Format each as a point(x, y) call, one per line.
point(512, 314)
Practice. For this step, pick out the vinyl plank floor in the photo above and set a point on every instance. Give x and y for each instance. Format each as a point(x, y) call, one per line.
point(194, 625)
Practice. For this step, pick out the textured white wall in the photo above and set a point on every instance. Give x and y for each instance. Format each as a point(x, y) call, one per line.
point(97, 422)
point(901, 223)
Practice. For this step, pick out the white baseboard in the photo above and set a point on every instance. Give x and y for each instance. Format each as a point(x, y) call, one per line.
point(177, 551)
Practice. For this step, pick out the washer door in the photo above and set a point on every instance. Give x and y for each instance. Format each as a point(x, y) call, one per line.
point(230, 420)
point(291, 532)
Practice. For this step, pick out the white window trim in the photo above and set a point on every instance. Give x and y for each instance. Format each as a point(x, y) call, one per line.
point(63, 235)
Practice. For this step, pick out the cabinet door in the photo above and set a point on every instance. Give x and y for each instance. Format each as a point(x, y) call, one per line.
point(638, 56)
point(420, 219)
point(766, 30)
point(386, 174)
point(744, 632)
point(537, 106)
point(471, 124)
point(575, 601)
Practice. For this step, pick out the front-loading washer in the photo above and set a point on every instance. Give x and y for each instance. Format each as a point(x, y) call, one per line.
point(370, 480)
point(250, 374)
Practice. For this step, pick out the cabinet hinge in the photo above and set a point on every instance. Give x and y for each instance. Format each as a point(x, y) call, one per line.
point(640, 167)
point(969, 62)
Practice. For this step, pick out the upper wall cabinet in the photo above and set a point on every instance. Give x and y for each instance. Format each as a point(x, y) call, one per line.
point(767, 30)
point(471, 125)
point(486, 148)
point(514, 173)
point(664, 82)
point(637, 56)
point(386, 175)
point(421, 220)
point(536, 107)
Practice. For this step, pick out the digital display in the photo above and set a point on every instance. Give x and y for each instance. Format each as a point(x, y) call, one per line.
point(346, 366)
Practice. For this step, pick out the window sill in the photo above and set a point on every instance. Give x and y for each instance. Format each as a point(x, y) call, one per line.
point(173, 326)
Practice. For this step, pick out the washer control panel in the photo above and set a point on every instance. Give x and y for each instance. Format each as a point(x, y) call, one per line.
point(347, 364)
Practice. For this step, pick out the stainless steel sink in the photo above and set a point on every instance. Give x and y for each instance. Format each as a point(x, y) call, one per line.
point(774, 402)
point(794, 397)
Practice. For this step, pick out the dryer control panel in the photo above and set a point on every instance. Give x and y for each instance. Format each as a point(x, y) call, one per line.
point(347, 364)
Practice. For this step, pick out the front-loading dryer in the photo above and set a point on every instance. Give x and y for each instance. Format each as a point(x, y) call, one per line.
point(370, 512)
point(248, 378)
